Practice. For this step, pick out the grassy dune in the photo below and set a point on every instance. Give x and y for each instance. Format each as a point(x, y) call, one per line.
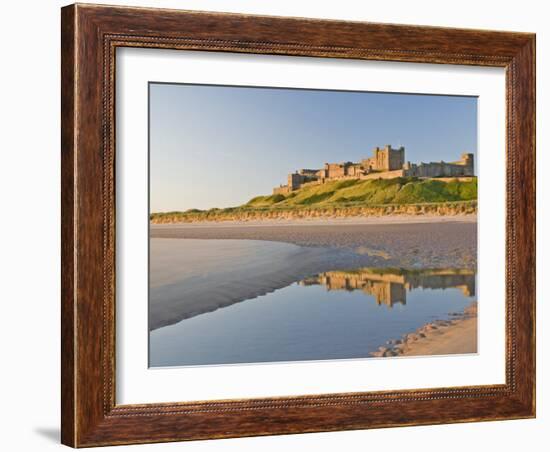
point(347, 198)
point(401, 190)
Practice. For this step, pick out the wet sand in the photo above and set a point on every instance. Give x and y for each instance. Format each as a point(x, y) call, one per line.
point(442, 337)
point(387, 241)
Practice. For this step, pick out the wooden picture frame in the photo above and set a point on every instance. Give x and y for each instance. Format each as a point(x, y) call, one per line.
point(90, 35)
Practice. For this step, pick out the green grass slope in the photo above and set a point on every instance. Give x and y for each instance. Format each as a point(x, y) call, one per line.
point(354, 197)
point(401, 190)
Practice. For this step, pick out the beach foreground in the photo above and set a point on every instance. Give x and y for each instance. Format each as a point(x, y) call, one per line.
point(388, 241)
point(441, 337)
point(278, 288)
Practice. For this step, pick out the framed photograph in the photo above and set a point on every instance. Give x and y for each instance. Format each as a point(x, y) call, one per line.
point(282, 225)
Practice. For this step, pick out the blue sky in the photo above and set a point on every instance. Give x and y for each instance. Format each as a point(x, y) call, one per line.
point(218, 146)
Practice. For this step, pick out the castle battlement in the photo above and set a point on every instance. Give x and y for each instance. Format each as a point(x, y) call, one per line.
point(385, 163)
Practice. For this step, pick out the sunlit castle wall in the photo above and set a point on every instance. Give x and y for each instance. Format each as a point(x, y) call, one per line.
point(462, 167)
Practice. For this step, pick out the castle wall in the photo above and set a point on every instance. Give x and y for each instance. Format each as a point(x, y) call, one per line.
point(334, 170)
point(313, 182)
point(439, 169)
point(384, 175)
point(295, 180)
point(354, 171)
point(386, 163)
point(462, 167)
point(282, 190)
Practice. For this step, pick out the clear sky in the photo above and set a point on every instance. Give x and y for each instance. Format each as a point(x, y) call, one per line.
point(218, 146)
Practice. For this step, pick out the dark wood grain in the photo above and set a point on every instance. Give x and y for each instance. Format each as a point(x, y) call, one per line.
point(68, 311)
point(90, 36)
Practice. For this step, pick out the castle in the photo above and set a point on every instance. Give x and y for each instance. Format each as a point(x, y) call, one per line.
point(386, 163)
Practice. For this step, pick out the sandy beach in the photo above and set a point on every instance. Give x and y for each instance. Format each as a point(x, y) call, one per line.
point(441, 337)
point(387, 241)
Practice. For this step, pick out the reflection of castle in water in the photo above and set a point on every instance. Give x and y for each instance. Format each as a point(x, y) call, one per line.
point(390, 286)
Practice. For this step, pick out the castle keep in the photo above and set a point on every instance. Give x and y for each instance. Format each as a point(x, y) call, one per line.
point(385, 163)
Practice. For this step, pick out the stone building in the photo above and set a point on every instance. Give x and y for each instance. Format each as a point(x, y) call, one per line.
point(462, 167)
point(385, 163)
point(386, 159)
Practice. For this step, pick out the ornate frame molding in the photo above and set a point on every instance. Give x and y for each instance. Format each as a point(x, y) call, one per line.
point(90, 36)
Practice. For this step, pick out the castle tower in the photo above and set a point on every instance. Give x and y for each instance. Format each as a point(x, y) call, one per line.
point(385, 159)
point(394, 159)
point(294, 181)
point(467, 160)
